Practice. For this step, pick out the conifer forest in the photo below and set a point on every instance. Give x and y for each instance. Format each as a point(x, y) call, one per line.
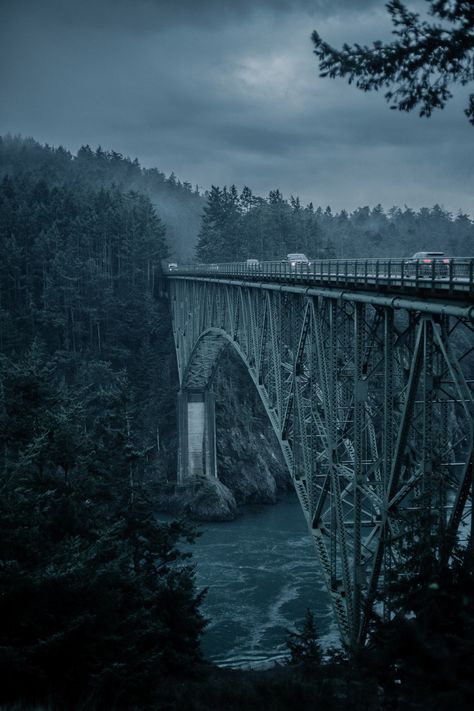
point(99, 607)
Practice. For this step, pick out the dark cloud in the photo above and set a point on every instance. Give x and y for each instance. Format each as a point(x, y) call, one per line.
point(154, 15)
point(223, 92)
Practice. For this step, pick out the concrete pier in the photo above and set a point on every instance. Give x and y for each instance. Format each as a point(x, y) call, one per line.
point(196, 435)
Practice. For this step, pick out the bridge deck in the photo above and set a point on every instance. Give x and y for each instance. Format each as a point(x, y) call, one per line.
point(453, 280)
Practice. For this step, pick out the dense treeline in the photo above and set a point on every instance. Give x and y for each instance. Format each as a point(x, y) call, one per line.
point(177, 202)
point(237, 226)
point(98, 607)
point(78, 265)
point(97, 603)
point(79, 273)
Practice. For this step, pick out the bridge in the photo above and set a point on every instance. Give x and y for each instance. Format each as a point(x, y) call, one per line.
point(365, 369)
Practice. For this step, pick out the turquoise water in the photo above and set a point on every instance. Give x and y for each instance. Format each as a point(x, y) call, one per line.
point(262, 574)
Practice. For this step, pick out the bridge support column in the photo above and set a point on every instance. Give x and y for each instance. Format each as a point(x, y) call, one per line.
point(196, 435)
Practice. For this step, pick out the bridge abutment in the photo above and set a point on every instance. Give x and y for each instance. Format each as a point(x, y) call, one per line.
point(196, 435)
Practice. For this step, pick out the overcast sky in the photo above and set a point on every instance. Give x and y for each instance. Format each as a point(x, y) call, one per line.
point(227, 91)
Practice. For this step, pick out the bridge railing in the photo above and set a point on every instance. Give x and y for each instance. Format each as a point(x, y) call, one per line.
point(448, 275)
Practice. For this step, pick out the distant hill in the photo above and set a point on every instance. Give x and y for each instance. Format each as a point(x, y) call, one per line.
point(177, 203)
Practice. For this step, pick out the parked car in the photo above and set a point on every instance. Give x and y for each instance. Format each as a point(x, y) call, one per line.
point(422, 263)
point(296, 259)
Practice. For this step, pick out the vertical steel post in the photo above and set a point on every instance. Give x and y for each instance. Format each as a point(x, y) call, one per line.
point(360, 397)
point(427, 437)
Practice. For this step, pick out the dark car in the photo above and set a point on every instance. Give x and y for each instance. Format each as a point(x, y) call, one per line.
point(297, 261)
point(427, 264)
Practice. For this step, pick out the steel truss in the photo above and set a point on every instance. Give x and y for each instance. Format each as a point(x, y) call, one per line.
point(373, 408)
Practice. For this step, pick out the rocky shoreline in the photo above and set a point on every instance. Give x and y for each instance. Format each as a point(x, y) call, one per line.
point(205, 499)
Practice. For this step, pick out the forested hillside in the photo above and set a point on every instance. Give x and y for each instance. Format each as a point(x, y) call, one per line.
point(237, 226)
point(97, 603)
point(178, 204)
point(98, 606)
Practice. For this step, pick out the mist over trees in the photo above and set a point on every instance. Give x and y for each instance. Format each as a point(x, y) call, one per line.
point(98, 604)
point(178, 203)
point(97, 601)
point(237, 226)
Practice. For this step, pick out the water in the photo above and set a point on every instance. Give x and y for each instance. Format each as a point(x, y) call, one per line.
point(262, 575)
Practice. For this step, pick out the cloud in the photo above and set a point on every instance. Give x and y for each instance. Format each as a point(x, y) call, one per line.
point(153, 15)
point(229, 97)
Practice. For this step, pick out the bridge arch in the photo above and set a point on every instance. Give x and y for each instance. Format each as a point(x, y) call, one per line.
point(371, 398)
point(202, 366)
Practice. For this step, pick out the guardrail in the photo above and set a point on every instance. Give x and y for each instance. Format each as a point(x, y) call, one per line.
point(449, 276)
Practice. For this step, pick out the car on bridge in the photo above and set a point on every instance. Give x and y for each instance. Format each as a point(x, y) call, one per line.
point(427, 264)
point(172, 266)
point(252, 263)
point(297, 260)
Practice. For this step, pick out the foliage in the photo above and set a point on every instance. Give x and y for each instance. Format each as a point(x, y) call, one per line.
point(421, 64)
point(78, 265)
point(304, 646)
point(97, 601)
point(236, 227)
point(178, 204)
point(79, 271)
point(425, 651)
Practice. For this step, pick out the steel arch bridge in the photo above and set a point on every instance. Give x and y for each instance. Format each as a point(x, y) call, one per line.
point(366, 372)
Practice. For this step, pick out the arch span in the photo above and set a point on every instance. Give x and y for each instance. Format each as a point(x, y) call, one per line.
point(201, 368)
point(372, 404)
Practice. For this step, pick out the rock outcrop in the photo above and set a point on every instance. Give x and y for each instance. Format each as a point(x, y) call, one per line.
point(250, 466)
point(249, 459)
point(207, 500)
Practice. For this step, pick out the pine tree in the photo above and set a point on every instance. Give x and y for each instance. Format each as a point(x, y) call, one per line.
point(97, 601)
point(209, 245)
point(304, 646)
point(425, 651)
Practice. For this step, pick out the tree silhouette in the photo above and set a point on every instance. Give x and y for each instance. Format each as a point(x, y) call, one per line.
point(304, 646)
point(420, 65)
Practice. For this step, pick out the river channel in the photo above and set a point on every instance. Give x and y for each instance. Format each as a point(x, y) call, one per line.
point(262, 575)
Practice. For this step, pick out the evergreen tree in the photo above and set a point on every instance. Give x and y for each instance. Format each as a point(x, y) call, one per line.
point(420, 65)
point(304, 646)
point(97, 602)
point(425, 651)
point(209, 238)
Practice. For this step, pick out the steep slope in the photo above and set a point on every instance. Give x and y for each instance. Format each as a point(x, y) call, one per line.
point(177, 203)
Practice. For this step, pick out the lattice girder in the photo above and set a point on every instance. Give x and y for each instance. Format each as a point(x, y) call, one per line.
point(372, 406)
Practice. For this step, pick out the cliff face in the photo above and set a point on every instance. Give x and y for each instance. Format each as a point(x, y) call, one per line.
point(249, 466)
point(249, 459)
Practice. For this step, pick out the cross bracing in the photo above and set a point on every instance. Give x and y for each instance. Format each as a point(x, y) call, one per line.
point(371, 396)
